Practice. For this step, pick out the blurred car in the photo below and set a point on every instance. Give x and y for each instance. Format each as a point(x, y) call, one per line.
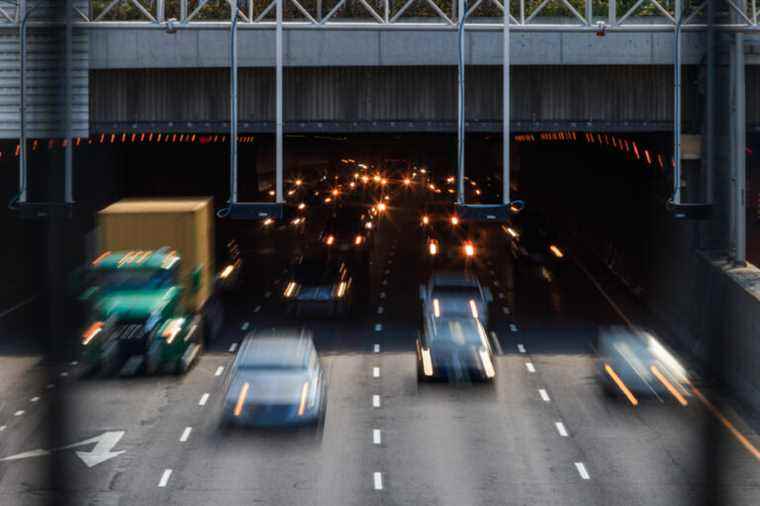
point(228, 278)
point(633, 363)
point(319, 284)
point(349, 229)
point(532, 238)
point(276, 380)
point(455, 294)
point(454, 349)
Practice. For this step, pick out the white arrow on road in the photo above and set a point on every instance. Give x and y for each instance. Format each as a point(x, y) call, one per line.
point(99, 453)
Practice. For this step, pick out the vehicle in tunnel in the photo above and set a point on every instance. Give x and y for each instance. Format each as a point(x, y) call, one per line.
point(454, 349)
point(534, 240)
point(276, 380)
point(455, 294)
point(319, 284)
point(349, 230)
point(632, 363)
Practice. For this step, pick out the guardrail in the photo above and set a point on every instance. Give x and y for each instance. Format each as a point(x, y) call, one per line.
point(526, 15)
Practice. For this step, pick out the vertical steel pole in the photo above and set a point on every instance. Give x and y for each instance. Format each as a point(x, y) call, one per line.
point(740, 157)
point(462, 11)
point(506, 114)
point(709, 137)
point(69, 106)
point(22, 176)
point(677, 103)
point(233, 107)
point(278, 70)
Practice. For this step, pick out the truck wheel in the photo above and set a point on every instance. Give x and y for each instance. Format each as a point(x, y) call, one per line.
point(153, 357)
point(109, 358)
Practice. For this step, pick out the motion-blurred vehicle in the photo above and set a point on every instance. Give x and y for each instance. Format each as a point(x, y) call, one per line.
point(531, 238)
point(454, 349)
point(229, 277)
point(349, 230)
point(455, 294)
point(634, 364)
point(276, 379)
point(151, 295)
point(319, 284)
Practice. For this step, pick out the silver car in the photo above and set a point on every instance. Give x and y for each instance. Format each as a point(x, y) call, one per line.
point(455, 295)
point(276, 380)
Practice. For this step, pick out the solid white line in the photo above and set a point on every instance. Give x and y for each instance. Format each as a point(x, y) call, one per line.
point(378, 327)
point(204, 400)
point(582, 470)
point(544, 395)
point(382, 295)
point(377, 348)
point(378, 481)
point(19, 412)
point(165, 478)
point(219, 370)
point(375, 401)
point(375, 372)
point(245, 326)
point(34, 399)
point(604, 294)
point(233, 347)
point(257, 309)
point(377, 437)
point(521, 348)
point(185, 434)
point(513, 327)
point(529, 367)
point(505, 309)
point(496, 343)
point(561, 429)
point(380, 310)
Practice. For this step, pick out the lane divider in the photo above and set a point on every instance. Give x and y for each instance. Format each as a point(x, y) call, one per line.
point(544, 395)
point(378, 479)
point(204, 399)
point(582, 470)
point(378, 327)
point(257, 309)
point(219, 370)
point(375, 372)
point(513, 327)
point(19, 412)
point(377, 437)
point(165, 478)
point(375, 401)
point(245, 326)
point(185, 434)
point(529, 366)
point(233, 347)
point(521, 348)
point(376, 348)
point(561, 429)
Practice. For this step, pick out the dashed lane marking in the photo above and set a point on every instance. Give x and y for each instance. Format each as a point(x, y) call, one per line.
point(378, 481)
point(582, 470)
point(544, 395)
point(380, 310)
point(501, 295)
point(513, 327)
point(496, 283)
point(496, 343)
point(376, 348)
point(505, 310)
point(378, 327)
point(2, 427)
point(375, 372)
point(529, 367)
point(204, 399)
point(233, 347)
point(257, 309)
point(245, 326)
point(185, 434)
point(561, 429)
point(267, 295)
point(165, 478)
point(377, 437)
point(219, 370)
point(74, 363)
point(50, 385)
point(19, 412)
point(64, 374)
point(521, 348)
point(34, 399)
point(385, 282)
point(387, 271)
point(375, 401)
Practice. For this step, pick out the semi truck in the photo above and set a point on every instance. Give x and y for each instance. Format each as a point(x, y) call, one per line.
point(151, 294)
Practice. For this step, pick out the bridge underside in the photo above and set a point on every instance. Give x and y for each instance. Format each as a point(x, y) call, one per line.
point(393, 99)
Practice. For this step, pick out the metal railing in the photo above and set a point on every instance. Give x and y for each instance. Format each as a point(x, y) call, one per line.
point(526, 15)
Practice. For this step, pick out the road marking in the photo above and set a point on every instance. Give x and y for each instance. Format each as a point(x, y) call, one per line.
point(267, 295)
point(496, 343)
point(204, 399)
point(377, 437)
point(505, 310)
point(185, 434)
point(377, 348)
point(385, 282)
point(2, 428)
point(50, 385)
point(64, 374)
point(34, 399)
point(233, 347)
point(74, 363)
point(375, 401)
point(495, 283)
point(165, 478)
point(582, 470)
point(529, 367)
point(604, 294)
point(382, 295)
point(380, 310)
point(378, 327)
point(501, 295)
point(245, 326)
point(561, 429)
point(219, 370)
point(276, 281)
point(378, 481)
point(513, 327)
point(375, 372)
point(493, 272)
point(521, 348)
point(387, 271)
point(544, 395)
point(257, 309)
point(19, 412)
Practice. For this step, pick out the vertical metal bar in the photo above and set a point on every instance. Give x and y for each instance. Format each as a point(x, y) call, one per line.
point(506, 111)
point(183, 10)
point(461, 12)
point(612, 12)
point(69, 106)
point(160, 11)
point(278, 71)
point(319, 10)
point(709, 137)
point(590, 12)
point(22, 177)
point(522, 11)
point(233, 107)
point(739, 145)
point(387, 10)
point(677, 103)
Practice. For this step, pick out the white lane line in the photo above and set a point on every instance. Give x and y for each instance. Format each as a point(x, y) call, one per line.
point(245, 326)
point(276, 281)
point(604, 294)
point(233, 347)
point(582, 470)
point(34, 399)
point(377, 437)
point(496, 343)
point(185, 434)
point(267, 295)
point(513, 327)
point(257, 309)
point(501, 295)
point(165, 478)
point(505, 310)
point(378, 327)
point(73, 363)
point(521, 348)
point(493, 272)
point(219, 370)
point(376, 348)
point(375, 372)
point(204, 399)
point(544, 395)
point(385, 282)
point(380, 310)
point(529, 367)
point(387, 271)
point(382, 295)
point(50, 385)
point(496, 283)
point(2, 428)
point(375, 401)
point(19, 412)
point(561, 429)
point(64, 374)
point(378, 481)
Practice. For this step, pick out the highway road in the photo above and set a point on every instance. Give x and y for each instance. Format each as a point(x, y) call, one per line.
point(543, 434)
